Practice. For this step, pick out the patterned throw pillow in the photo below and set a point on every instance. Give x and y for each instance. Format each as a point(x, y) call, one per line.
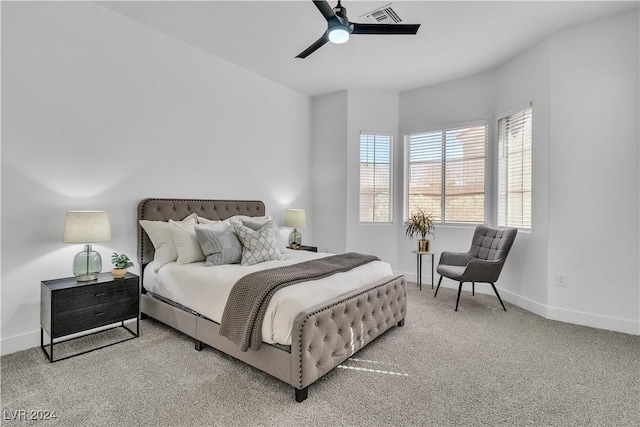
point(219, 243)
point(258, 245)
point(256, 222)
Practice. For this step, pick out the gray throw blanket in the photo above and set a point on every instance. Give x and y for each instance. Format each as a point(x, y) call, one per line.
point(245, 309)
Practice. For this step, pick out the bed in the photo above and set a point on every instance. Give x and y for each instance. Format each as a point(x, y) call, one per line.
point(322, 334)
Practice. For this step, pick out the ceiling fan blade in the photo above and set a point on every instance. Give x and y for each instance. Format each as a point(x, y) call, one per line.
point(325, 9)
point(317, 45)
point(384, 28)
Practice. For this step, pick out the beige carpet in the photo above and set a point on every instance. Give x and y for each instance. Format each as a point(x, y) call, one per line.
point(479, 366)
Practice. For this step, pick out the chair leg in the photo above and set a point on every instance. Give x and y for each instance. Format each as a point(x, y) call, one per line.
point(498, 295)
point(438, 287)
point(458, 300)
point(473, 289)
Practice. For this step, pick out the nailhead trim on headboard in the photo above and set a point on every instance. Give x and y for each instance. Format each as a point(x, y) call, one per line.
point(177, 209)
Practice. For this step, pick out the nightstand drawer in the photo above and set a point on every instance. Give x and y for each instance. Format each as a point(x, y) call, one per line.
point(130, 308)
point(70, 299)
point(80, 319)
point(69, 322)
point(104, 314)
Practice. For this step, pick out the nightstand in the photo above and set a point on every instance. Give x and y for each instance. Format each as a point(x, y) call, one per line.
point(69, 307)
point(305, 248)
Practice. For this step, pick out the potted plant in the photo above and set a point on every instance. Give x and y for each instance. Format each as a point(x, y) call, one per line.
point(120, 265)
point(420, 223)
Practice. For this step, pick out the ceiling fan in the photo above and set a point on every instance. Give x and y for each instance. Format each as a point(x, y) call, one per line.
point(339, 27)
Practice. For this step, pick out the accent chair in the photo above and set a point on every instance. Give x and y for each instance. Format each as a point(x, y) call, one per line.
point(482, 263)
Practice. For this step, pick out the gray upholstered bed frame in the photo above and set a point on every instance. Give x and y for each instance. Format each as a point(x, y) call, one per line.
point(322, 337)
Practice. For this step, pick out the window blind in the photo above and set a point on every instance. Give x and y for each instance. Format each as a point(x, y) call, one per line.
point(514, 170)
point(446, 173)
point(375, 177)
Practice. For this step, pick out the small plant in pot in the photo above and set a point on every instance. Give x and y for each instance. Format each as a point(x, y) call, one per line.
point(420, 223)
point(120, 264)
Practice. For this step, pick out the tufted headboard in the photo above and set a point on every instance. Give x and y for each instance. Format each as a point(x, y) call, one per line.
point(178, 209)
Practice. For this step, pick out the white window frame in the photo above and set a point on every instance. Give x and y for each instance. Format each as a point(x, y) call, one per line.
point(502, 191)
point(442, 221)
point(390, 213)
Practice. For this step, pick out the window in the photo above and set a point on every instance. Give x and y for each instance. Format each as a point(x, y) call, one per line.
point(514, 170)
point(375, 177)
point(445, 173)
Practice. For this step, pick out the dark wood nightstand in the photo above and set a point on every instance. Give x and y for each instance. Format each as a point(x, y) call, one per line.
point(68, 307)
point(305, 248)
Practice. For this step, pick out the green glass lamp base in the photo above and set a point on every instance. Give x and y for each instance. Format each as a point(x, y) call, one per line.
point(87, 265)
point(295, 238)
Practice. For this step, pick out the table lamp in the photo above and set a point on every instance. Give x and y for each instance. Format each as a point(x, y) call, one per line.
point(295, 218)
point(87, 227)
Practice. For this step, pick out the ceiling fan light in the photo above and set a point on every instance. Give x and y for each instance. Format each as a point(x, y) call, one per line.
point(338, 35)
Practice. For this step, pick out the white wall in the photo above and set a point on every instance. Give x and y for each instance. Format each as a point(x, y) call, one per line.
point(593, 172)
point(523, 80)
point(329, 172)
point(100, 112)
point(583, 83)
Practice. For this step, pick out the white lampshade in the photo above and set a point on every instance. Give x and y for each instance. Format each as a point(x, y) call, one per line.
point(295, 218)
point(86, 227)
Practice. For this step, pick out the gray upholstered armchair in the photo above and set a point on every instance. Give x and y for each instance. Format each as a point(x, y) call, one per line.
point(482, 263)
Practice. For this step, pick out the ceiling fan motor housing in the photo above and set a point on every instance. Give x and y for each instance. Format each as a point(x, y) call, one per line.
point(341, 14)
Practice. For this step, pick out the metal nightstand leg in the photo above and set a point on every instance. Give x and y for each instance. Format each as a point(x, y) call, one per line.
point(49, 356)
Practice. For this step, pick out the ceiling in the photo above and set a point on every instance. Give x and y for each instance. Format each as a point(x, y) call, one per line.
point(456, 39)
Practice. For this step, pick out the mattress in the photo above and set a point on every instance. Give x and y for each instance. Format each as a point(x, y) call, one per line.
point(205, 289)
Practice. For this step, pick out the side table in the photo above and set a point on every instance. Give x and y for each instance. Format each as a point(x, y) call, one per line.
point(305, 248)
point(419, 266)
point(68, 307)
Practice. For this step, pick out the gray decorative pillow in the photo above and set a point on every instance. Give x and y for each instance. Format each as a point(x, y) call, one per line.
point(257, 222)
point(258, 245)
point(219, 244)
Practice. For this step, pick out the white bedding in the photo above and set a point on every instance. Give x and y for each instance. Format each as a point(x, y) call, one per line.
point(206, 289)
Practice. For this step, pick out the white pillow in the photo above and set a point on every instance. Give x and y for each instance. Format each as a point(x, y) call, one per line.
point(159, 233)
point(203, 220)
point(187, 246)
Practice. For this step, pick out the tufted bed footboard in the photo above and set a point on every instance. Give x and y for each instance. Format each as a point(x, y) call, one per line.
point(330, 333)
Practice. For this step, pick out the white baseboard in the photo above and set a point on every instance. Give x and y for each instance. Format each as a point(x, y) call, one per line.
point(593, 320)
point(32, 339)
point(19, 342)
point(524, 302)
